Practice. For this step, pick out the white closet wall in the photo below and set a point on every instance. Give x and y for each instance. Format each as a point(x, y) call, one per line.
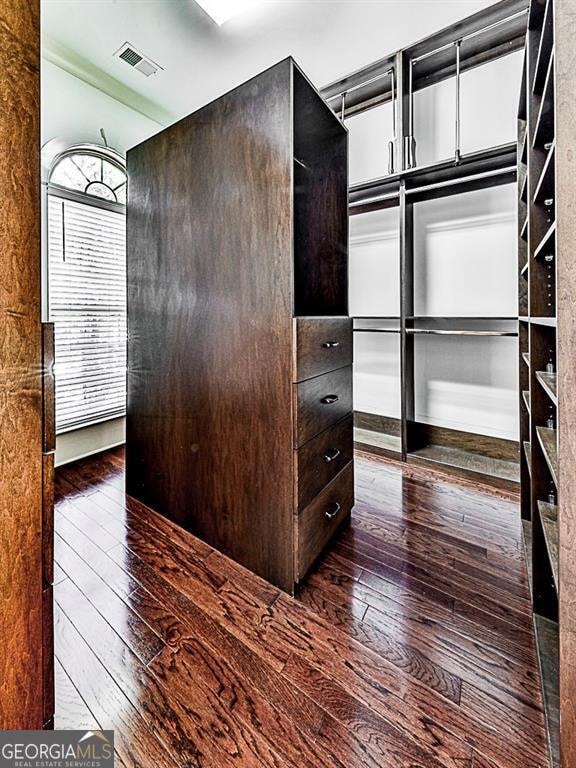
point(489, 100)
point(464, 260)
point(374, 284)
point(369, 134)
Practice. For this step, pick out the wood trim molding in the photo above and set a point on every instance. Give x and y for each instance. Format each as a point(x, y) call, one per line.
point(21, 700)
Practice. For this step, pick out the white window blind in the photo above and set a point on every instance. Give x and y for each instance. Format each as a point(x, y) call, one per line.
point(87, 300)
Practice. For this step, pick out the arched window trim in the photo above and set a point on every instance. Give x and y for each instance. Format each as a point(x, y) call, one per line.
point(94, 150)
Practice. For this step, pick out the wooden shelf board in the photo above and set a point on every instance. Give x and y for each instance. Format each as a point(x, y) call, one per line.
point(548, 647)
point(527, 536)
point(471, 462)
point(550, 322)
point(546, 177)
point(451, 332)
point(544, 130)
point(549, 519)
point(526, 358)
point(543, 244)
point(547, 440)
point(524, 190)
point(524, 149)
point(544, 49)
point(524, 230)
point(526, 396)
point(374, 439)
point(528, 454)
point(548, 383)
point(524, 271)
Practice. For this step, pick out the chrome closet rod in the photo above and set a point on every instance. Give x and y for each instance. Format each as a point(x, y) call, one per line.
point(469, 36)
point(379, 199)
point(449, 182)
point(346, 91)
point(459, 333)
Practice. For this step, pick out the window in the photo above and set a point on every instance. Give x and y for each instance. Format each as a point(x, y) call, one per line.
point(87, 285)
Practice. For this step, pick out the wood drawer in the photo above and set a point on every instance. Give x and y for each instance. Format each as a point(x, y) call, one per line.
point(322, 518)
point(322, 344)
point(319, 461)
point(321, 402)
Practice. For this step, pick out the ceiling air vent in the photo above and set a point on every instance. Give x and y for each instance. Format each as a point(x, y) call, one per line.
point(137, 60)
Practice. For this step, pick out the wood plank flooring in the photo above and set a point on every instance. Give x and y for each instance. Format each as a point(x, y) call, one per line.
point(410, 645)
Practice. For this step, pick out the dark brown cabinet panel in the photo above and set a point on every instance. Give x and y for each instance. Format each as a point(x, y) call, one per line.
point(322, 344)
point(320, 460)
point(322, 518)
point(321, 402)
point(213, 288)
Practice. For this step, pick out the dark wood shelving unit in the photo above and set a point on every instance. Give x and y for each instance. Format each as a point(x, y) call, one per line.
point(548, 382)
point(487, 36)
point(546, 119)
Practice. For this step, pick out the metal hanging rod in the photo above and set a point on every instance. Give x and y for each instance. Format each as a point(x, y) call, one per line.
point(378, 199)
point(362, 84)
point(469, 36)
point(451, 182)
point(438, 332)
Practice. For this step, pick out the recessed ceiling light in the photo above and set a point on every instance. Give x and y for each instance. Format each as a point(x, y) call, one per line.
point(222, 10)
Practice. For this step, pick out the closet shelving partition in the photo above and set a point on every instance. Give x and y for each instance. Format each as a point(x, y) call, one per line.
point(546, 244)
point(479, 39)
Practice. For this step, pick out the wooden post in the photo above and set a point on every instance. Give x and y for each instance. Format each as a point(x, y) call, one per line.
point(21, 684)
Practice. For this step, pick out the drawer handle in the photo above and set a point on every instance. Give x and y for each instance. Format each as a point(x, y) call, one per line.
point(331, 344)
point(333, 511)
point(332, 454)
point(329, 399)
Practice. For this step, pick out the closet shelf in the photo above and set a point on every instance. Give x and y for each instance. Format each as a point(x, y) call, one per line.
point(524, 271)
point(527, 536)
point(544, 130)
point(467, 461)
point(524, 230)
point(547, 440)
point(447, 332)
point(526, 396)
point(376, 317)
point(372, 439)
point(550, 322)
point(524, 189)
point(376, 330)
point(523, 154)
point(547, 242)
point(526, 358)
point(549, 519)
point(545, 186)
point(548, 383)
point(544, 49)
point(528, 454)
point(547, 646)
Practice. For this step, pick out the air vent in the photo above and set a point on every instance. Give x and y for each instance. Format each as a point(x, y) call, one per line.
point(135, 59)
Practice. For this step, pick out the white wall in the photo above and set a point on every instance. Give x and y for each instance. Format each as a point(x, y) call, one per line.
point(74, 111)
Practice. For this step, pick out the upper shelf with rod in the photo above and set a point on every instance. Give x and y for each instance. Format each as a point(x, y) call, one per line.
point(479, 39)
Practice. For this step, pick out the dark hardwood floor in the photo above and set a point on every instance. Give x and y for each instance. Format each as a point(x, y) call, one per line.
point(410, 646)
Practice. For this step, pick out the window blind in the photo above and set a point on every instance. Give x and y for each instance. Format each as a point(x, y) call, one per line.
point(87, 303)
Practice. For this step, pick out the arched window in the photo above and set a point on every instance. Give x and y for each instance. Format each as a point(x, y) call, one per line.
point(86, 230)
point(87, 170)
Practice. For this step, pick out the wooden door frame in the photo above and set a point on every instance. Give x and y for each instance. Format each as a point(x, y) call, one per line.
point(21, 582)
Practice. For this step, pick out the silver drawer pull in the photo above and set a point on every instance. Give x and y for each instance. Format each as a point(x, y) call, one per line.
point(329, 399)
point(333, 511)
point(332, 454)
point(331, 344)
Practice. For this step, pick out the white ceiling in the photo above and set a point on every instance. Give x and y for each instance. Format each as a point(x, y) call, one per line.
point(328, 38)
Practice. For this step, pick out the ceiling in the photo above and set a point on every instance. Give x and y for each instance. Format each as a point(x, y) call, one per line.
point(201, 60)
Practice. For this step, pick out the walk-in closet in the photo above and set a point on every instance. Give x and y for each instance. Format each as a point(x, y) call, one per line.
point(287, 382)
